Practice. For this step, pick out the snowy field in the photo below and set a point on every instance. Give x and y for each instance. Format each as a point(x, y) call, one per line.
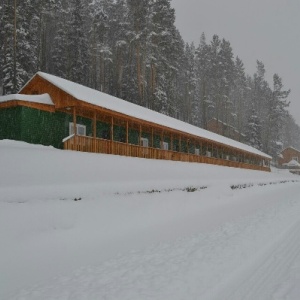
point(89, 226)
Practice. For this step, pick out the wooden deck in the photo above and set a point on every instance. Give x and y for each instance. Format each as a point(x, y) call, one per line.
point(97, 145)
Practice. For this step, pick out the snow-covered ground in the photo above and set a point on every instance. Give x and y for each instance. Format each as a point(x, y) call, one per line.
point(90, 226)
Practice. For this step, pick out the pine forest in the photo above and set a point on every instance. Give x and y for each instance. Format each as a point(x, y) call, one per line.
point(132, 49)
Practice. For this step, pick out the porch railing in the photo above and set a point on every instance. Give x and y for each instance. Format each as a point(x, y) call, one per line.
point(98, 145)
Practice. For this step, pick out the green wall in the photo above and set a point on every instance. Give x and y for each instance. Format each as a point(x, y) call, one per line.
point(36, 126)
point(10, 123)
point(45, 128)
point(50, 128)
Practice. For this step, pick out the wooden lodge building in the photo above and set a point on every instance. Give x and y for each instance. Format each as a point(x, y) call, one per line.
point(53, 111)
point(287, 155)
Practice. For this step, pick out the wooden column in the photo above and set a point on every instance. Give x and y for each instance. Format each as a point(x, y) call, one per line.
point(95, 125)
point(152, 138)
point(127, 132)
point(140, 139)
point(112, 135)
point(180, 143)
point(140, 134)
point(74, 121)
point(75, 128)
point(171, 142)
point(127, 138)
point(94, 131)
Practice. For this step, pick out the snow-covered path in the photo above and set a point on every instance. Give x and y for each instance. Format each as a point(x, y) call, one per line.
point(274, 271)
point(195, 239)
point(254, 257)
point(275, 275)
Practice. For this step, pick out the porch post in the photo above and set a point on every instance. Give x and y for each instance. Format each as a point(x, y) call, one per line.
point(180, 143)
point(74, 120)
point(140, 137)
point(140, 134)
point(127, 131)
point(152, 137)
point(94, 126)
point(127, 138)
point(112, 135)
point(94, 131)
point(75, 128)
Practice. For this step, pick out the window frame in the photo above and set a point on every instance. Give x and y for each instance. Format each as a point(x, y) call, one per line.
point(164, 146)
point(78, 128)
point(144, 142)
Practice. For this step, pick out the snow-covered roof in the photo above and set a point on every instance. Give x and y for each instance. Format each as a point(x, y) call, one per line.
point(101, 99)
point(292, 163)
point(42, 99)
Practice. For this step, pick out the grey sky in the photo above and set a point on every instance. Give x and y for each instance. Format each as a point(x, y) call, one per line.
point(267, 30)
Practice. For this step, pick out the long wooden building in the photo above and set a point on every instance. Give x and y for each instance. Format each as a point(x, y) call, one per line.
point(53, 111)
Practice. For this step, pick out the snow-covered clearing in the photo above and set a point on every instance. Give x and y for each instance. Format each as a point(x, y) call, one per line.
point(89, 226)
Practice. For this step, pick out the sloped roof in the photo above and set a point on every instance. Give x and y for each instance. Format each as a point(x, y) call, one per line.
point(292, 163)
point(42, 99)
point(101, 99)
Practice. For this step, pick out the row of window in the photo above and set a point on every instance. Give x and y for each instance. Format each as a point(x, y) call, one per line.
point(81, 130)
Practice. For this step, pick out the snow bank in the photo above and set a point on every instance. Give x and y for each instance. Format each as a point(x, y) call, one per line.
point(88, 226)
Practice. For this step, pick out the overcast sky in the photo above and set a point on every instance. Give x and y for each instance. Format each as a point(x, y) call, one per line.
point(267, 30)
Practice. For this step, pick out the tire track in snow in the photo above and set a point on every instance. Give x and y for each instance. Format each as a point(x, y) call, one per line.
point(264, 278)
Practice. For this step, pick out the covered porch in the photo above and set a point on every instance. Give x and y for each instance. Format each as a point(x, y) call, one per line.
point(129, 136)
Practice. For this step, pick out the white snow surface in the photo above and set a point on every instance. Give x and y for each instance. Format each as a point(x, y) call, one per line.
point(43, 99)
point(90, 226)
point(292, 163)
point(98, 98)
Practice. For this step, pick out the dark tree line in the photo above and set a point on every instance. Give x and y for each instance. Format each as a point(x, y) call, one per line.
point(131, 49)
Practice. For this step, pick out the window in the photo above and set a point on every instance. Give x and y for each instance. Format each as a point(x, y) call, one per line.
point(144, 142)
point(81, 129)
point(197, 151)
point(208, 153)
point(164, 145)
point(225, 156)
